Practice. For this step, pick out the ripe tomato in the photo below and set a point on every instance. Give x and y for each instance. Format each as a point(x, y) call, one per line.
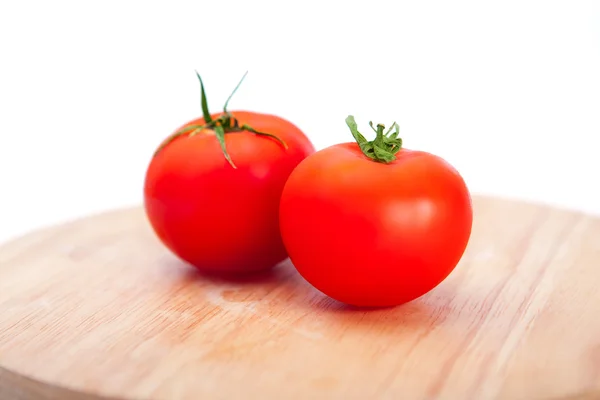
point(212, 189)
point(374, 224)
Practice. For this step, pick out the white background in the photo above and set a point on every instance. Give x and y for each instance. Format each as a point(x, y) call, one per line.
point(507, 91)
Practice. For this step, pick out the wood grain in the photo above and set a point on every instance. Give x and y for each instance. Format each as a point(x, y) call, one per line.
point(98, 306)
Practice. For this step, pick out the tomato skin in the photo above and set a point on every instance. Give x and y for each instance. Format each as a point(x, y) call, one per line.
point(372, 234)
point(217, 218)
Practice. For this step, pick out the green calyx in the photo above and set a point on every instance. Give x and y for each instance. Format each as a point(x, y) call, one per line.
point(225, 123)
point(385, 145)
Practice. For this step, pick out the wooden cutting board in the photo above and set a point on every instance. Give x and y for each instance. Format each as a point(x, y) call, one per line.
point(98, 307)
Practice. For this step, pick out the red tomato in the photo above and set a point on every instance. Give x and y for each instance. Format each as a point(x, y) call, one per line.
point(374, 224)
point(221, 215)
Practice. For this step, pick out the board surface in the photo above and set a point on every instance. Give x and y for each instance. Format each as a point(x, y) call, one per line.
point(98, 307)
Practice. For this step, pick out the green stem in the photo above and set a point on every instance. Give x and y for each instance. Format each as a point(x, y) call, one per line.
point(225, 123)
point(233, 92)
point(385, 145)
point(203, 101)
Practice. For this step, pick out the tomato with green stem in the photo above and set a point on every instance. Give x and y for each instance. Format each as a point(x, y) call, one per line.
point(371, 223)
point(212, 188)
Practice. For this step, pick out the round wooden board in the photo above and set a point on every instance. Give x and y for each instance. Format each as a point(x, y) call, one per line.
point(98, 307)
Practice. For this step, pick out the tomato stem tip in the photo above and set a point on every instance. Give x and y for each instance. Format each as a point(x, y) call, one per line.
point(225, 123)
point(385, 145)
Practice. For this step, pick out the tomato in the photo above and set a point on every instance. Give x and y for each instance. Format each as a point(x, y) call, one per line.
point(372, 223)
point(212, 190)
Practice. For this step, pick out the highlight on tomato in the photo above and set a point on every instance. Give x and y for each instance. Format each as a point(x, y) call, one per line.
point(371, 223)
point(212, 188)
